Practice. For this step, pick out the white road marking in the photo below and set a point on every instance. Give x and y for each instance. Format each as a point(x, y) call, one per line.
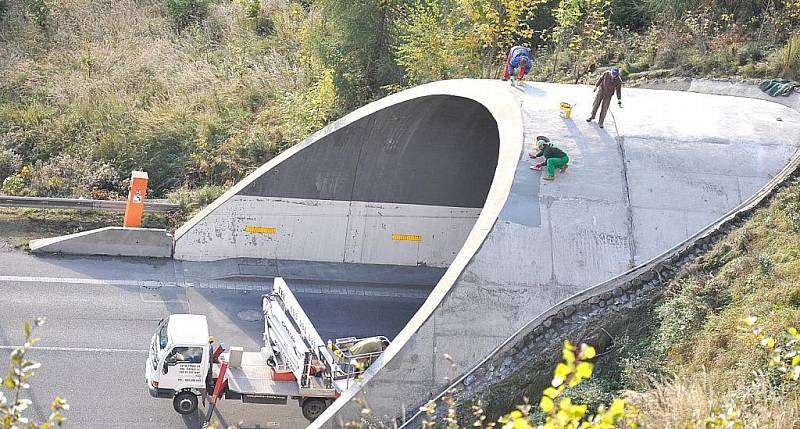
point(77, 349)
point(220, 284)
point(70, 280)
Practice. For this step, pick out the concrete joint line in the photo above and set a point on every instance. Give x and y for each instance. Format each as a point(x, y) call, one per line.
point(629, 206)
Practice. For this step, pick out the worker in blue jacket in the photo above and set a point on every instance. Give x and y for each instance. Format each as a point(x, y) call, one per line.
point(518, 63)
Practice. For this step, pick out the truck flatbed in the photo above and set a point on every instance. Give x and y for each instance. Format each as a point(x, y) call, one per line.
point(254, 376)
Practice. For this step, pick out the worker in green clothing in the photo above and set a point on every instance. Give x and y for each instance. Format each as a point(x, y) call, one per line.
point(553, 157)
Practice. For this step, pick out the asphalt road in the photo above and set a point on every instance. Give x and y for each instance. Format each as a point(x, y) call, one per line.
point(95, 342)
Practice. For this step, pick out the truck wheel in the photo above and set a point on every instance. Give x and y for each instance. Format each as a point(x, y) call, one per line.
point(313, 407)
point(185, 403)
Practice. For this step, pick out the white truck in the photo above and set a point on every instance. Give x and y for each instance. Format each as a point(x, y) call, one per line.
point(294, 363)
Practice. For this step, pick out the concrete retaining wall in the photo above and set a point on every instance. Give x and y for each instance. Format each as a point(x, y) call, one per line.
point(112, 241)
point(522, 365)
point(352, 232)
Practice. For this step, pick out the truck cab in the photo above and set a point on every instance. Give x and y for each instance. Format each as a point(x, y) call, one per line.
point(178, 360)
point(294, 363)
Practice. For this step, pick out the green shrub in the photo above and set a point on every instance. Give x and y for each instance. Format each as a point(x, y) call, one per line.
point(3, 8)
point(669, 9)
point(681, 315)
point(789, 206)
point(794, 298)
point(13, 185)
point(258, 19)
point(39, 12)
point(183, 197)
point(749, 53)
point(191, 200)
point(671, 54)
point(787, 59)
point(64, 176)
point(10, 163)
point(207, 194)
point(16, 385)
point(628, 13)
point(184, 12)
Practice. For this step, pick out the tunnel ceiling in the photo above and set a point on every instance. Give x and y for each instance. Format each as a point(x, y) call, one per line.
point(435, 150)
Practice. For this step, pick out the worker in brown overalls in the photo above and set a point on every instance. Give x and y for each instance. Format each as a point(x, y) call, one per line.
point(609, 83)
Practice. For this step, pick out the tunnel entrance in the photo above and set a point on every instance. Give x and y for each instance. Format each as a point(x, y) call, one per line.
point(401, 186)
point(434, 151)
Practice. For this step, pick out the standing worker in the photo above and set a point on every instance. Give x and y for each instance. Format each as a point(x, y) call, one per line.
point(518, 63)
point(553, 157)
point(609, 83)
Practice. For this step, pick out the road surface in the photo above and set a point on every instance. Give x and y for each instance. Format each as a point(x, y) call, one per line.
point(95, 341)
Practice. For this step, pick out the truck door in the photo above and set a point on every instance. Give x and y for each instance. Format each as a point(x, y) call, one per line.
point(183, 368)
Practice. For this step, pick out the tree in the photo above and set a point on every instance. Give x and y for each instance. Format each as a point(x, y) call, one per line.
point(441, 39)
point(580, 32)
point(431, 47)
point(355, 39)
point(497, 25)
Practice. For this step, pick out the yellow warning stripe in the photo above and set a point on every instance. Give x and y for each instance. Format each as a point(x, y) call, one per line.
point(406, 237)
point(260, 230)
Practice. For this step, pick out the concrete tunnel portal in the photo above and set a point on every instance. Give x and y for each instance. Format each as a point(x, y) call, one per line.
point(432, 185)
point(401, 186)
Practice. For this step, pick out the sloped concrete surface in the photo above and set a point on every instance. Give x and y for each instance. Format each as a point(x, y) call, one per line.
point(524, 361)
point(111, 241)
point(666, 165)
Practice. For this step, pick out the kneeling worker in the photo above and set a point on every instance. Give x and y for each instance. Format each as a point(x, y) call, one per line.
point(518, 63)
point(553, 157)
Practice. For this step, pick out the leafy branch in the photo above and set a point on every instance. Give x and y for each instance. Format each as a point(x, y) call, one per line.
point(21, 371)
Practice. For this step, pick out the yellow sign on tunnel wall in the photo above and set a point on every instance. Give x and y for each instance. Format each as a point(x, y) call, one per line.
point(406, 237)
point(260, 230)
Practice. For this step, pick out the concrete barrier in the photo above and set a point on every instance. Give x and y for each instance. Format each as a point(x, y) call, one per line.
point(112, 241)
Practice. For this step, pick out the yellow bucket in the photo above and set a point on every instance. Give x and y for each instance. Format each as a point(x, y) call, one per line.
point(566, 110)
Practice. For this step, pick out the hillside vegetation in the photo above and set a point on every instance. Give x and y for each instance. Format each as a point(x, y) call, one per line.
point(200, 92)
point(697, 357)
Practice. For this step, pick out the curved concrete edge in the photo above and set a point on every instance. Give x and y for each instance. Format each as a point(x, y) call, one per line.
point(111, 241)
point(481, 91)
point(506, 111)
point(536, 343)
point(729, 87)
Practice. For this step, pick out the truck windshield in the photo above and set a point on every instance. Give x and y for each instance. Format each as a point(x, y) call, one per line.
point(162, 336)
point(159, 342)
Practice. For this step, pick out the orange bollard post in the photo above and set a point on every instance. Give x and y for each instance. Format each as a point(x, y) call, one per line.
point(135, 207)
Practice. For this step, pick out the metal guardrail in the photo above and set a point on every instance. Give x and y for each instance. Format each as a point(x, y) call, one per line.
point(81, 204)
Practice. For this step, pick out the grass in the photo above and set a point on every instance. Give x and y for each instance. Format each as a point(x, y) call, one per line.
point(19, 226)
point(694, 362)
point(672, 405)
point(114, 83)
